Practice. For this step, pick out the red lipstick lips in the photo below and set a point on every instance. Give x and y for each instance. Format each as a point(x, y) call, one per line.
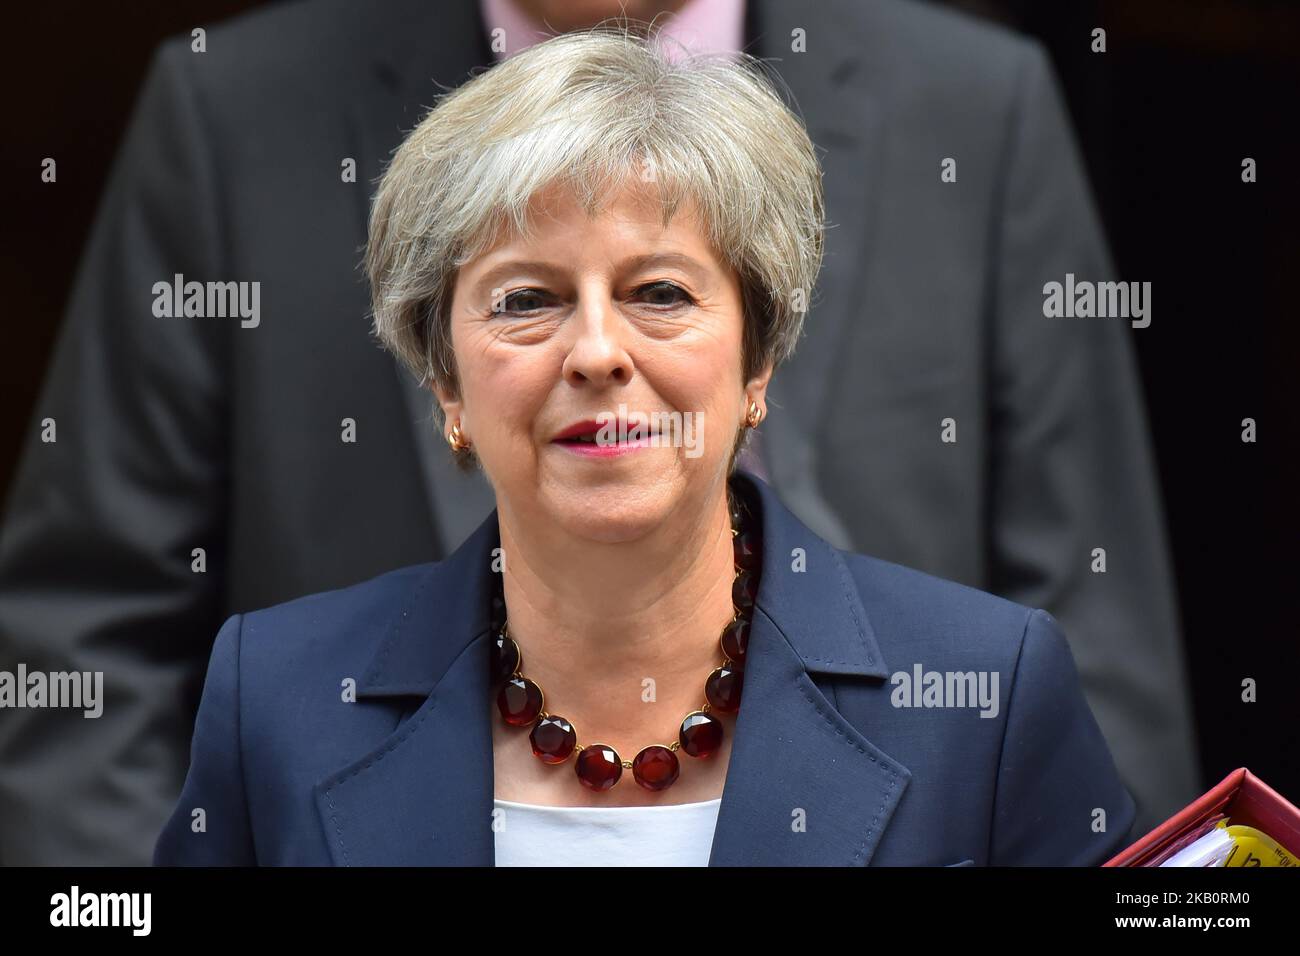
point(580, 438)
point(588, 426)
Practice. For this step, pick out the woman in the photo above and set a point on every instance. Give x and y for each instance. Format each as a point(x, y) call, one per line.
point(595, 260)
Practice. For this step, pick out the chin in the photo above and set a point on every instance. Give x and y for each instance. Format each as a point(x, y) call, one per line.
point(623, 511)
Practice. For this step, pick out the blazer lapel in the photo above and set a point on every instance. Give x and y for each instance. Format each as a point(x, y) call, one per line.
point(804, 787)
point(424, 796)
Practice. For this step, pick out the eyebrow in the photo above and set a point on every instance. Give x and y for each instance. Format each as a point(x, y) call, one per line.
point(680, 260)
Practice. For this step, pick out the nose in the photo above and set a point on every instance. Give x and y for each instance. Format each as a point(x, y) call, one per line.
point(597, 354)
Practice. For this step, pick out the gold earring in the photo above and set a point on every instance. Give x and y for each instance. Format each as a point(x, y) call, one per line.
point(457, 441)
point(755, 414)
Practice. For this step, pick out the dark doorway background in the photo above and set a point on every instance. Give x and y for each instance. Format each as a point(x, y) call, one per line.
point(1185, 91)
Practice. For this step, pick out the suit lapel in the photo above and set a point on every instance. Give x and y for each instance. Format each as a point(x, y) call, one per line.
point(835, 87)
point(804, 787)
point(423, 48)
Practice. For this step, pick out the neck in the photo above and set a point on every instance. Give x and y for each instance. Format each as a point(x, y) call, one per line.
point(596, 622)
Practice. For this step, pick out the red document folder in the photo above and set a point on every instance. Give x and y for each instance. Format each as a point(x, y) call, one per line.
point(1243, 797)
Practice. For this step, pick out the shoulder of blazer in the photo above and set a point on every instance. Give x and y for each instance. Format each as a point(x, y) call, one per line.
point(394, 635)
point(905, 603)
point(927, 60)
point(336, 631)
point(941, 38)
point(282, 59)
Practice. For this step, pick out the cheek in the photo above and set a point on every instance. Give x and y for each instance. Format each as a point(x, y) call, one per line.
point(704, 359)
point(706, 382)
point(504, 387)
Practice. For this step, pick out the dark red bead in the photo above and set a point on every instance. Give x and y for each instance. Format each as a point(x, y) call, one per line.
point(747, 548)
point(656, 767)
point(743, 591)
point(505, 658)
point(599, 767)
point(701, 734)
point(520, 701)
point(735, 641)
point(553, 739)
point(723, 689)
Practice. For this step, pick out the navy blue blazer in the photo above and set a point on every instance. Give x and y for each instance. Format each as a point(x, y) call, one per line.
point(836, 759)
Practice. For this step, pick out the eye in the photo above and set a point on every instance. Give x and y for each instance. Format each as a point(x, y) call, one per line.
point(521, 301)
point(665, 294)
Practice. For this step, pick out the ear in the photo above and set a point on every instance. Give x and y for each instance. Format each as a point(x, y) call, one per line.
point(756, 389)
point(453, 408)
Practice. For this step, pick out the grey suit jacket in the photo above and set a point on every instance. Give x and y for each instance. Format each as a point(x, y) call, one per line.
point(182, 434)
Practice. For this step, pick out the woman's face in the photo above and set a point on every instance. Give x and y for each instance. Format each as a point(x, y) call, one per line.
point(601, 320)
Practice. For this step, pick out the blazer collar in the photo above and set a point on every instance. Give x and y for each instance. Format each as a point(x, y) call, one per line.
point(803, 785)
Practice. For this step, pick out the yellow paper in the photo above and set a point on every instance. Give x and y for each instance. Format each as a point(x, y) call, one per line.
point(1253, 847)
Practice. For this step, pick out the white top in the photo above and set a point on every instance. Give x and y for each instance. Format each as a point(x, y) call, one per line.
point(528, 834)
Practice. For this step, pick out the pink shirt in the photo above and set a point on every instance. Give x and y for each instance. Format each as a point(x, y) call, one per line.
point(702, 26)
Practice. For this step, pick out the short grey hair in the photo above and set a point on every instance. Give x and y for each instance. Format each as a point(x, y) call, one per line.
point(590, 108)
